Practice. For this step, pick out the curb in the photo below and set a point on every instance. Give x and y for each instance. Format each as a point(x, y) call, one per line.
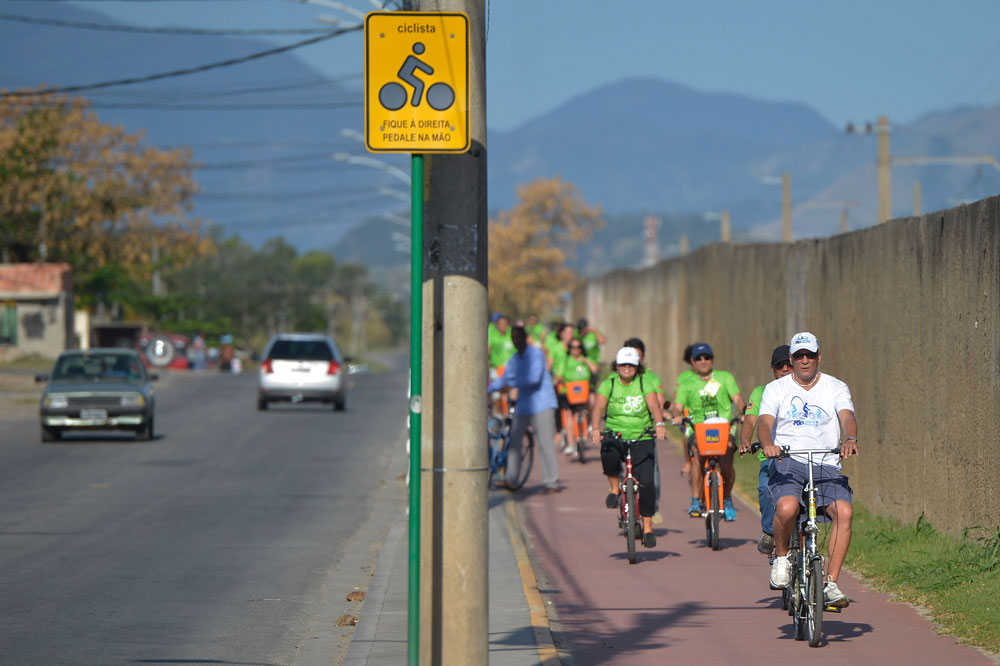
point(364, 634)
point(547, 653)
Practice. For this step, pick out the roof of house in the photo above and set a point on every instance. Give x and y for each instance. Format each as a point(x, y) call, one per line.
point(34, 280)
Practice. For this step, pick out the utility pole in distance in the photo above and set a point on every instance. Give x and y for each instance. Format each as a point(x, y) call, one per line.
point(884, 163)
point(786, 208)
point(454, 604)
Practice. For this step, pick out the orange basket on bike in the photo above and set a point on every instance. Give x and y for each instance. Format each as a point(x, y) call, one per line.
point(712, 437)
point(577, 392)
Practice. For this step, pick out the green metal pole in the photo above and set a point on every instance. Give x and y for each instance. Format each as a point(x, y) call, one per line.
point(416, 348)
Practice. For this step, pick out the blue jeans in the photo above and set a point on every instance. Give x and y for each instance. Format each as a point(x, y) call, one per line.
point(764, 498)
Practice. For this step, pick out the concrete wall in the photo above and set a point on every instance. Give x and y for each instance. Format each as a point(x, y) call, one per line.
point(907, 313)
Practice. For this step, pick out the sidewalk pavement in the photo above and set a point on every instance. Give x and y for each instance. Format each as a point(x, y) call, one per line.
point(518, 629)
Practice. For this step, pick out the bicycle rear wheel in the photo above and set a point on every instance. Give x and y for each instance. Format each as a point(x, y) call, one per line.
point(714, 511)
point(630, 521)
point(527, 445)
point(581, 442)
point(815, 603)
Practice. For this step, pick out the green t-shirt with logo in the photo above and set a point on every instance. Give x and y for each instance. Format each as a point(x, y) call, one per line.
point(537, 333)
point(574, 370)
point(713, 397)
point(682, 378)
point(753, 409)
point(551, 342)
point(501, 347)
point(627, 411)
point(592, 347)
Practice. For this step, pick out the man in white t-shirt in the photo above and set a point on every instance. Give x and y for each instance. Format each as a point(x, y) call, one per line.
point(802, 411)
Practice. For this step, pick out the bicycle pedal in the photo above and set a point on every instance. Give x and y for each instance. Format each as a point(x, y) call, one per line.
point(832, 609)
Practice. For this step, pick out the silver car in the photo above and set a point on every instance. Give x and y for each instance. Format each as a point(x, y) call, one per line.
point(299, 367)
point(97, 389)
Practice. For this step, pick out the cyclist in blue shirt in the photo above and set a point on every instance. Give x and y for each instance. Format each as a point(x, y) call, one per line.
point(536, 405)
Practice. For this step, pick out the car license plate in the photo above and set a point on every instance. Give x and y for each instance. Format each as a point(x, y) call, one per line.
point(93, 413)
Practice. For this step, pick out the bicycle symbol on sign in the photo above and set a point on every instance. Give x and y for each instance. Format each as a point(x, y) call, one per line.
point(393, 97)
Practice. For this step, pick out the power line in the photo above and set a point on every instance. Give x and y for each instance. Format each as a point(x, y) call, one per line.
point(182, 72)
point(161, 31)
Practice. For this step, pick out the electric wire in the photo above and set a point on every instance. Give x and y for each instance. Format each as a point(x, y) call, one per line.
point(181, 72)
point(160, 31)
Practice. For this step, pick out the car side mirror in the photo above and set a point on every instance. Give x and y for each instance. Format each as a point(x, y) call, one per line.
point(40, 379)
point(154, 376)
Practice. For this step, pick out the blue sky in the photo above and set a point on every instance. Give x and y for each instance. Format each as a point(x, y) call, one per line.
point(849, 60)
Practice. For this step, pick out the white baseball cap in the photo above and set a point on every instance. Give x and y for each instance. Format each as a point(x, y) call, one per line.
point(804, 340)
point(627, 356)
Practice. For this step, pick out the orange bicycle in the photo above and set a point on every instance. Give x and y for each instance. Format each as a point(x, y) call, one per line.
point(712, 440)
point(576, 419)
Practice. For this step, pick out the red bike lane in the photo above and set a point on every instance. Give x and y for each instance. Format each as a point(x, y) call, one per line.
point(681, 600)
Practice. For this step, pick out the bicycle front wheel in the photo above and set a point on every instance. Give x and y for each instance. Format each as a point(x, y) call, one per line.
point(714, 511)
point(630, 520)
point(581, 442)
point(527, 445)
point(815, 603)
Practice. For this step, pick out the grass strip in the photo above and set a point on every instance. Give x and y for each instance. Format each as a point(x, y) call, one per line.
point(957, 578)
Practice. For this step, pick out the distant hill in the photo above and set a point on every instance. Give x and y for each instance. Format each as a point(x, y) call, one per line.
point(264, 133)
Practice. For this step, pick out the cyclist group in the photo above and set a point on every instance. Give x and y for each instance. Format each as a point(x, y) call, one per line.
point(802, 409)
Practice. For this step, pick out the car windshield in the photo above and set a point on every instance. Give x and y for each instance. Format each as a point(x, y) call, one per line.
point(99, 367)
point(301, 350)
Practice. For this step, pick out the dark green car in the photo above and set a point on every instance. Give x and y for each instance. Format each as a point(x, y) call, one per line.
point(97, 389)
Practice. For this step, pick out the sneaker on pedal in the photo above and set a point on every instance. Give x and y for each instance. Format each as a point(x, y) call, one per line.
point(780, 572)
point(765, 544)
point(569, 450)
point(728, 510)
point(696, 508)
point(611, 501)
point(649, 540)
point(834, 596)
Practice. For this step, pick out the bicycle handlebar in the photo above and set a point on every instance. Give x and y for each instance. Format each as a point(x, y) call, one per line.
point(786, 451)
point(607, 433)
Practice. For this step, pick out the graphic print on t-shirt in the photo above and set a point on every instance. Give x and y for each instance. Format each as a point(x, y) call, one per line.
point(802, 413)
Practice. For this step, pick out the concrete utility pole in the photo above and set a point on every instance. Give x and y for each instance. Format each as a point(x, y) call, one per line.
point(453, 542)
point(786, 208)
point(683, 247)
point(918, 199)
point(843, 220)
point(725, 231)
point(884, 162)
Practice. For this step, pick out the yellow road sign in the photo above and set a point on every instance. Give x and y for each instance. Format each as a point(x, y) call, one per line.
point(417, 82)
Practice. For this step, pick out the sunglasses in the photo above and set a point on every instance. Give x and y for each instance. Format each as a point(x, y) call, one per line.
point(807, 354)
point(703, 357)
point(576, 347)
point(782, 365)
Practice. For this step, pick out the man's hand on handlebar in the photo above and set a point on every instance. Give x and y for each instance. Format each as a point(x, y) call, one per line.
point(772, 451)
point(849, 448)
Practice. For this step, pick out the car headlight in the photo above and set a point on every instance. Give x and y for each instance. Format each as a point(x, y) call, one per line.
point(55, 400)
point(133, 400)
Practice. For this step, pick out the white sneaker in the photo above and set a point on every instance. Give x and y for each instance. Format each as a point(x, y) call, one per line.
point(569, 450)
point(834, 596)
point(780, 572)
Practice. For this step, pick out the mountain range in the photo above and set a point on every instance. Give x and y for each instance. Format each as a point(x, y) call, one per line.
point(263, 133)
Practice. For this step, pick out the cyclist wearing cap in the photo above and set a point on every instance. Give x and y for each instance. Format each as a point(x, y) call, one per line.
point(807, 410)
point(780, 366)
point(712, 393)
point(632, 406)
point(650, 376)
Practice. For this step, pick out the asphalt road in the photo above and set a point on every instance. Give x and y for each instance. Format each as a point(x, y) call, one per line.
point(231, 538)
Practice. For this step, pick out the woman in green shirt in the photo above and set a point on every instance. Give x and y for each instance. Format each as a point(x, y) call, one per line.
point(630, 406)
